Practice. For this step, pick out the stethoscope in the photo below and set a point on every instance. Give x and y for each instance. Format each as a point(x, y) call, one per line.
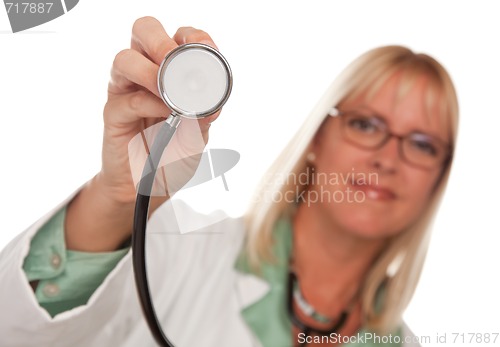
point(195, 81)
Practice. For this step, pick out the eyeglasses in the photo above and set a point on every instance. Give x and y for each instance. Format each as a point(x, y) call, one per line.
point(369, 131)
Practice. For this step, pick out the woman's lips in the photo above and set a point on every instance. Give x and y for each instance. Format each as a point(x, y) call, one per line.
point(374, 192)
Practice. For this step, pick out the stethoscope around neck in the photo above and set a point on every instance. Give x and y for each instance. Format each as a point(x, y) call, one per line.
point(195, 81)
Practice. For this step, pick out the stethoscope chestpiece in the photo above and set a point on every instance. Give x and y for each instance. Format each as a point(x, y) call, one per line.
point(194, 80)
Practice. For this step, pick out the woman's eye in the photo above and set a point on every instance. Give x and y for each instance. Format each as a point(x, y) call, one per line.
point(362, 124)
point(424, 147)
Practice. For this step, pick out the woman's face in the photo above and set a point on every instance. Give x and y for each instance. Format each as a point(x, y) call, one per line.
point(374, 192)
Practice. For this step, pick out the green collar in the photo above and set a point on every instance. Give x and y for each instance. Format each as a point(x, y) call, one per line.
point(267, 317)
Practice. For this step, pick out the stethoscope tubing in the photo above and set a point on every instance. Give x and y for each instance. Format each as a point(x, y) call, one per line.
point(145, 187)
point(161, 141)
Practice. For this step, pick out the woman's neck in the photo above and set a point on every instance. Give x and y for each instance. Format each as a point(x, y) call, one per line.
point(330, 263)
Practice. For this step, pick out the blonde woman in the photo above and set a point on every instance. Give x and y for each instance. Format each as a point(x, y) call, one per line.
point(387, 127)
point(329, 252)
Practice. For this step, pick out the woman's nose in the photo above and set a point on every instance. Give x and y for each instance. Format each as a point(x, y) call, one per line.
point(387, 157)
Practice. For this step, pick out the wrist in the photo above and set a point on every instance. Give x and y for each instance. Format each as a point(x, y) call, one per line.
point(120, 200)
point(120, 196)
point(95, 222)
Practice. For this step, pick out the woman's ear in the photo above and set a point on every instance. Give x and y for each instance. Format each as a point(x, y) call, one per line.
point(317, 139)
point(314, 147)
point(311, 157)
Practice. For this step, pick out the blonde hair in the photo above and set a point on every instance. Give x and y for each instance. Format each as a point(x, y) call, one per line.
point(400, 264)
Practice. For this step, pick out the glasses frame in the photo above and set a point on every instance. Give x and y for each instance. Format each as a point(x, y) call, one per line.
point(336, 113)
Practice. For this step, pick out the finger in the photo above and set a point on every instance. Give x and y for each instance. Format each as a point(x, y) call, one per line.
point(206, 122)
point(131, 69)
point(128, 108)
point(151, 40)
point(211, 118)
point(190, 35)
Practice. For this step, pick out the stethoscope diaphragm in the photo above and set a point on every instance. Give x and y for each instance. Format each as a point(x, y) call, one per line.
point(194, 80)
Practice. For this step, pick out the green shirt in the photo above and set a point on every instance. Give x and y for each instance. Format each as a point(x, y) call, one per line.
point(68, 278)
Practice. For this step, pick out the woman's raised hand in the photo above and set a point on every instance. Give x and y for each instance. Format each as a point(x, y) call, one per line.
point(100, 217)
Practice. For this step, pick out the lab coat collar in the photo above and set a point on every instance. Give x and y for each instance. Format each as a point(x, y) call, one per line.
point(253, 286)
point(250, 286)
point(261, 295)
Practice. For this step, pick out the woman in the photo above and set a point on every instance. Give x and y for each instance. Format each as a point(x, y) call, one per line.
point(396, 118)
point(345, 251)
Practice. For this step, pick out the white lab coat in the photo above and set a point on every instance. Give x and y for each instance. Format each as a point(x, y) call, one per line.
point(198, 295)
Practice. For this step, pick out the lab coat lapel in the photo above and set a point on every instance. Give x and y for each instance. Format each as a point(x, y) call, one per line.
point(261, 295)
point(250, 288)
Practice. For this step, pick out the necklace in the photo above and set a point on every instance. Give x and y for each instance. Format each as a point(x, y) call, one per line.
point(305, 306)
point(305, 328)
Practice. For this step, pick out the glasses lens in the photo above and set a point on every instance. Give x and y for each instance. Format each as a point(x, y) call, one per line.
point(423, 150)
point(364, 131)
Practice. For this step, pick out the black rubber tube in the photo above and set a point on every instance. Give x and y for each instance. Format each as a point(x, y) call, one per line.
point(139, 234)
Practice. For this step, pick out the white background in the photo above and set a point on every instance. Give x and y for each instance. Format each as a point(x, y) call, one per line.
point(284, 54)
